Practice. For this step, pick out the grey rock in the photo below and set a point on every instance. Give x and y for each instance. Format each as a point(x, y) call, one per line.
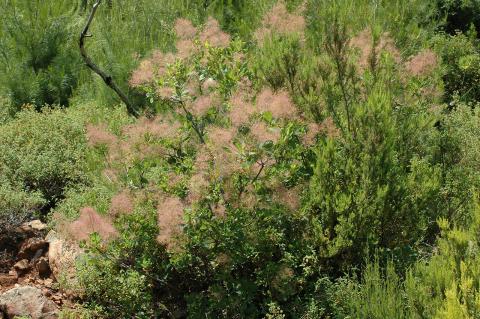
point(27, 301)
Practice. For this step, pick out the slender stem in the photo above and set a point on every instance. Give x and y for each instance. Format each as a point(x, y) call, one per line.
point(192, 122)
point(262, 166)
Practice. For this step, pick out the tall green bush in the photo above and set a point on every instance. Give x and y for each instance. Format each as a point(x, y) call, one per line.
point(364, 194)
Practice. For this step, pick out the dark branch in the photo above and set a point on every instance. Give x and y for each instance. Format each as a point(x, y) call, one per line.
point(88, 61)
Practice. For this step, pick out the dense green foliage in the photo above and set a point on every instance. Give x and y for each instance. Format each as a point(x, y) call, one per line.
point(41, 155)
point(51, 163)
point(292, 160)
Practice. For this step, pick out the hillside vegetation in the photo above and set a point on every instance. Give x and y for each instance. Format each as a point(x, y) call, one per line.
point(286, 159)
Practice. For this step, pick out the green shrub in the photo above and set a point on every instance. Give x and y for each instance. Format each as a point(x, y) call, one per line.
point(43, 152)
point(363, 196)
point(365, 192)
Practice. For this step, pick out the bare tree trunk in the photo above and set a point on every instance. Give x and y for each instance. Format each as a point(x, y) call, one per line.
point(88, 61)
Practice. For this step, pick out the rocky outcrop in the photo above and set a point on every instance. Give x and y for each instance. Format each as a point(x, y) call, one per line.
point(27, 301)
point(29, 268)
point(36, 262)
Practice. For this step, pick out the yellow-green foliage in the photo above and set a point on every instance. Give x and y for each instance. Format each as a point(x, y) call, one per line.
point(446, 285)
point(452, 274)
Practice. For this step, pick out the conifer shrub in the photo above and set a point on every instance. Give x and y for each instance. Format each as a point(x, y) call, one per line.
point(40, 62)
point(353, 201)
point(378, 144)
